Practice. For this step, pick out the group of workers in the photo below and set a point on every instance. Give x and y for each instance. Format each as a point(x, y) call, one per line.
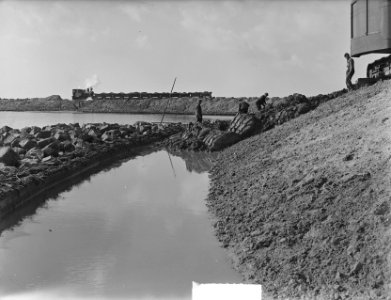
point(261, 102)
point(243, 106)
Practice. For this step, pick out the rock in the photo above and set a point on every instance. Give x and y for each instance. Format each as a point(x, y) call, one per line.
point(110, 135)
point(25, 131)
point(217, 142)
point(203, 133)
point(68, 146)
point(35, 130)
point(9, 157)
point(27, 162)
point(44, 142)
point(50, 150)
point(43, 134)
point(86, 138)
point(35, 153)
point(9, 137)
point(74, 133)
point(19, 150)
point(27, 144)
point(61, 135)
point(94, 133)
point(5, 129)
point(15, 143)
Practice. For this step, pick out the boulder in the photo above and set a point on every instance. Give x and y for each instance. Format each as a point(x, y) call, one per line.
point(202, 134)
point(61, 135)
point(219, 140)
point(28, 162)
point(68, 146)
point(50, 150)
point(15, 143)
point(43, 134)
point(27, 144)
point(44, 142)
point(9, 157)
point(9, 137)
point(34, 153)
point(75, 133)
point(5, 129)
point(86, 138)
point(244, 124)
point(95, 133)
point(25, 132)
point(19, 151)
point(35, 130)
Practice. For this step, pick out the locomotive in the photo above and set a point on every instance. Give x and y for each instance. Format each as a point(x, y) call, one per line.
point(371, 33)
point(83, 94)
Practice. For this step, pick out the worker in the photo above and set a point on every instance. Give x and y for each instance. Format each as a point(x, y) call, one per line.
point(199, 112)
point(349, 71)
point(243, 107)
point(261, 102)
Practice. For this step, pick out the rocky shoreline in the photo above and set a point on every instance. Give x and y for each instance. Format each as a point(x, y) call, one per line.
point(223, 133)
point(34, 160)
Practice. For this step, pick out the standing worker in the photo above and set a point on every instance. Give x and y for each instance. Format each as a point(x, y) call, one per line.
point(349, 71)
point(199, 112)
point(261, 102)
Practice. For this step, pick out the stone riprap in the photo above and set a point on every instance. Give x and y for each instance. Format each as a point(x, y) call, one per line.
point(34, 159)
point(206, 138)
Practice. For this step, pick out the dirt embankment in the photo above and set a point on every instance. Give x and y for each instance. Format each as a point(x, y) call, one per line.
point(304, 208)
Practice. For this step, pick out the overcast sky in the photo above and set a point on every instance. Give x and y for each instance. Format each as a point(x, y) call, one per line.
point(232, 48)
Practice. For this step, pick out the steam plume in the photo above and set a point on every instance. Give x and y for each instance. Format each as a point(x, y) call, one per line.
point(92, 81)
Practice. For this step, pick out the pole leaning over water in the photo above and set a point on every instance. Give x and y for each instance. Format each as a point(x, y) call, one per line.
point(168, 102)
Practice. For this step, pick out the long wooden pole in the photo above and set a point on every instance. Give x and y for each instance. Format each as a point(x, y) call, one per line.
point(164, 112)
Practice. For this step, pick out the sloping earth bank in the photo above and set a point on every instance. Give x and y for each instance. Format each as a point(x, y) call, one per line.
point(304, 208)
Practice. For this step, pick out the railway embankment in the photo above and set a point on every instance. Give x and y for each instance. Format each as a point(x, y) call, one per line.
point(304, 208)
point(34, 160)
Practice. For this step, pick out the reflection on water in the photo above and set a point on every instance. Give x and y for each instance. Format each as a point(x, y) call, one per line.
point(133, 232)
point(40, 119)
point(198, 162)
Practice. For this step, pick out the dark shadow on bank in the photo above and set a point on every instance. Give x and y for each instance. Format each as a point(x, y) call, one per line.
point(198, 162)
point(28, 209)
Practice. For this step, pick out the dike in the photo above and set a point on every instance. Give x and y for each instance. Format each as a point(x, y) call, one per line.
point(184, 105)
point(34, 160)
point(304, 208)
point(224, 133)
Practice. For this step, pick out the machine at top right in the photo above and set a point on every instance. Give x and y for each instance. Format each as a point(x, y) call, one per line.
point(371, 33)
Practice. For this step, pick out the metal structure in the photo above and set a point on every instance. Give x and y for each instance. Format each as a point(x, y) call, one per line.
point(83, 94)
point(371, 33)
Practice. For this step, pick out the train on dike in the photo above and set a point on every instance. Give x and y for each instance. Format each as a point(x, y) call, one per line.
point(88, 93)
point(371, 34)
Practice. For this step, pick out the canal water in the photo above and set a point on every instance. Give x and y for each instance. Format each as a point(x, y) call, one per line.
point(140, 230)
point(40, 119)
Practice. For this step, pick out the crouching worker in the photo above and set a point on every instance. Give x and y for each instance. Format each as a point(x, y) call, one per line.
point(243, 107)
point(261, 102)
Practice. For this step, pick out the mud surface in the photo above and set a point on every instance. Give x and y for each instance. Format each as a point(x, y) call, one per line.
point(304, 208)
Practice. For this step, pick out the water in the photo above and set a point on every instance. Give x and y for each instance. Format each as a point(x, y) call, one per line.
point(140, 230)
point(40, 119)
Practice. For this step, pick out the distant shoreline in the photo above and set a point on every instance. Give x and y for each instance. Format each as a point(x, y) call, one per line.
point(122, 113)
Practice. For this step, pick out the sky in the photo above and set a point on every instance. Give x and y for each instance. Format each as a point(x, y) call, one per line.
point(231, 48)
